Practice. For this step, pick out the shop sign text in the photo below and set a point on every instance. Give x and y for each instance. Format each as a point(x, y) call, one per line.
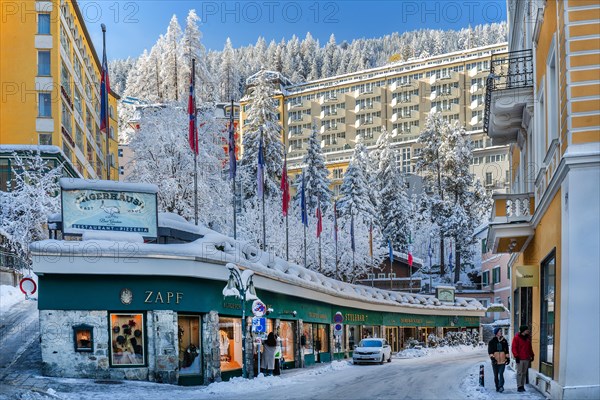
point(163, 297)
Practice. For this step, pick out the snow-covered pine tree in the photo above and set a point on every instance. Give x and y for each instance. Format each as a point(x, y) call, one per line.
point(163, 157)
point(229, 75)
point(32, 198)
point(263, 123)
point(171, 61)
point(393, 210)
point(191, 48)
point(430, 164)
point(316, 181)
point(467, 197)
point(330, 58)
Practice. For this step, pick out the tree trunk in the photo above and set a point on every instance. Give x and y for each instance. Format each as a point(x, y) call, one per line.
point(442, 268)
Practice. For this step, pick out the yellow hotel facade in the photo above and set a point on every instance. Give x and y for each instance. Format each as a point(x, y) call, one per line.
point(398, 97)
point(543, 99)
point(50, 77)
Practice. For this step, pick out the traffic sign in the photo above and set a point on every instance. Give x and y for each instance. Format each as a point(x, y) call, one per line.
point(28, 286)
point(259, 325)
point(258, 308)
point(338, 318)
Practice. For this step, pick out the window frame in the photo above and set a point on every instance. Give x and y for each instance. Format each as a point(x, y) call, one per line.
point(39, 20)
point(144, 336)
point(49, 103)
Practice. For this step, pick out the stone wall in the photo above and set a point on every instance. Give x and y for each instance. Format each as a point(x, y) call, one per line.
point(211, 348)
point(59, 357)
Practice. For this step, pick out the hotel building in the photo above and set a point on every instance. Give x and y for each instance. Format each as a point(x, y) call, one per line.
point(543, 100)
point(398, 97)
point(51, 90)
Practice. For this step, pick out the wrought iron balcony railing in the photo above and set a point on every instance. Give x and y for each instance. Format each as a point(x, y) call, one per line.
point(512, 70)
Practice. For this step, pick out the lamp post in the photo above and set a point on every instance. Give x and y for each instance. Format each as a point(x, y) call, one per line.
point(240, 285)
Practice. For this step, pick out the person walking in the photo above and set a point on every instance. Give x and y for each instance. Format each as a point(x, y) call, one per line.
point(268, 360)
point(498, 351)
point(523, 354)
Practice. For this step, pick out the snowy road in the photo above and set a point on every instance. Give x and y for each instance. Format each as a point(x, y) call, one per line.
point(18, 330)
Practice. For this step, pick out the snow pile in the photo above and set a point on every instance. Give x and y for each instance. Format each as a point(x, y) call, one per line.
point(471, 389)
point(10, 296)
point(429, 352)
point(127, 237)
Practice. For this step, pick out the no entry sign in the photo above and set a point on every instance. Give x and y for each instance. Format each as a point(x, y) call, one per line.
point(28, 286)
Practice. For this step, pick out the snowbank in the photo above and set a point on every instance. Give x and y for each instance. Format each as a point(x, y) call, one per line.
point(86, 184)
point(9, 296)
point(435, 352)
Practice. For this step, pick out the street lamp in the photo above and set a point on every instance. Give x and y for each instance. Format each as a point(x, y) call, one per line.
point(240, 285)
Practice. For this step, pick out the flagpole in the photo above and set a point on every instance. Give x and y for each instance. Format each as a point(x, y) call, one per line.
point(304, 217)
point(233, 176)
point(287, 231)
point(352, 239)
point(320, 221)
point(195, 143)
point(335, 228)
point(264, 246)
point(106, 108)
point(371, 251)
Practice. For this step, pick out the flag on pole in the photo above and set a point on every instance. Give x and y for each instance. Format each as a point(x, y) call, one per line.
point(335, 224)
point(450, 257)
point(391, 251)
point(260, 171)
point(352, 233)
point(285, 191)
point(232, 160)
point(303, 203)
point(193, 129)
point(104, 90)
point(410, 256)
point(371, 240)
point(319, 219)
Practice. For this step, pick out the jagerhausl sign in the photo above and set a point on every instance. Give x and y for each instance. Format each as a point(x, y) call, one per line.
point(108, 206)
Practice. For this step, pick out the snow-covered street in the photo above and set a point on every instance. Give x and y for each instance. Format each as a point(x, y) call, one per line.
point(448, 373)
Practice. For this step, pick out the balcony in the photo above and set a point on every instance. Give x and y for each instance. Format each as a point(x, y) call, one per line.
point(510, 228)
point(405, 116)
point(329, 99)
point(303, 119)
point(405, 100)
point(369, 92)
point(400, 86)
point(509, 96)
point(338, 127)
point(360, 122)
point(329, 113)
point(448, 76)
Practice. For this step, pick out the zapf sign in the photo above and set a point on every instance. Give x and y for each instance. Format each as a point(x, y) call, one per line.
point(108, 206)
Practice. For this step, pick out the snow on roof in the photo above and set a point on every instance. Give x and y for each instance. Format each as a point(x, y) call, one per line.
point(75, 183)
point(111, 236)
point(11, 148)
point(404, 256)
point(217, 247)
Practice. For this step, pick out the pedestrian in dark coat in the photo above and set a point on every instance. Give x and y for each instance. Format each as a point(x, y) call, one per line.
point(268, 360)
point(523, 354)
point(498, 351)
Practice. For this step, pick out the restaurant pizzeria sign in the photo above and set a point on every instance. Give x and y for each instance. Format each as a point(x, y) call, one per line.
point(108, 206)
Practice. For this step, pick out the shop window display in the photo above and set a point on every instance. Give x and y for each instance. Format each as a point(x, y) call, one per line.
point(189, 345)
point(127, 339)
point(321, 343)
point(306, 340)
point(286, 338)
point(84, 338)
point(230, 342)
point(351, 335)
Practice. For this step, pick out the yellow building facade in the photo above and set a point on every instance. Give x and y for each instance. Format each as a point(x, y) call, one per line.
point(50, 77)
point(397, 97)
point(544, 101)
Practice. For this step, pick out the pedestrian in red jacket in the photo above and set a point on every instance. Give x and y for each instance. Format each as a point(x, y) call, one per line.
point(523, 354)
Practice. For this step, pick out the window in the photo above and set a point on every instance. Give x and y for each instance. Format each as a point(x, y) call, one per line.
point(121, 170)
point(44, 105)
point(120, 152)
point(370, 276)
point(78, 101)
point(381, 275)
point(488, 179)
point(485, 279)
point(83, 338)
point(496, 275)
point(46, 139)
point(43, 24)
point(230, 338)
point(508, 273)
point(321, 338)
point(189, 345)
point(43, 63)
point(127, 340)
point(306, 340)
point(79, 137)
point(548, 275)
point(392, 275)
point(285, 331)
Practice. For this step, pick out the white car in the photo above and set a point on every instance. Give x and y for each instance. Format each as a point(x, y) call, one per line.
point(372, 350)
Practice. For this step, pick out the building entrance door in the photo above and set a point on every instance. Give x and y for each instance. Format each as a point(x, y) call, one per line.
point(190, 356)
point(391, 334)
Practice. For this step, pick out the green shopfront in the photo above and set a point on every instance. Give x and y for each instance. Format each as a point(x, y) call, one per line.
point(181, 329)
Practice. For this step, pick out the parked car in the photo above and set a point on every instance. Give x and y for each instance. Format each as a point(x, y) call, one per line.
point(372, 350)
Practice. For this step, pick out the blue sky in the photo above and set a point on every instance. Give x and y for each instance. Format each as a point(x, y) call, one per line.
point(135, 25)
